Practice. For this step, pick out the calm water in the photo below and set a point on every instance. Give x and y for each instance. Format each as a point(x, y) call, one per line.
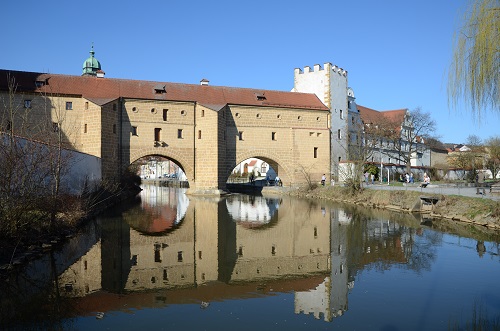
point(168, 261)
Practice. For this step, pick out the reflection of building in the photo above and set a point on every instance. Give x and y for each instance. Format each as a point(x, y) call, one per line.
point(252, 210)
point(304, 249)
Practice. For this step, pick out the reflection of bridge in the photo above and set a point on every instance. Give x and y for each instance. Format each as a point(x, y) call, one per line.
point(206, 130)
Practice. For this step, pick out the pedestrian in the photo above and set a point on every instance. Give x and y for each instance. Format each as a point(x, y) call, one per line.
point(373, 179)
point(366, 177)
point(323, 179)
point(411, 177)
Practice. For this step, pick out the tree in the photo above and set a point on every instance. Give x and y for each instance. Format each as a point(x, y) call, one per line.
point(409, 141)
point(492, 146)
point(474, 142)
point(475, 70)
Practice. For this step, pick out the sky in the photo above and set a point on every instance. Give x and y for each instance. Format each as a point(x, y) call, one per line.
point(397, 53)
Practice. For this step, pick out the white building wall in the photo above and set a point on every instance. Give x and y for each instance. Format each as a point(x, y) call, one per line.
point(329, 83)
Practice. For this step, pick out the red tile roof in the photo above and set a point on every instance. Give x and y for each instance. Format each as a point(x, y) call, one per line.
point(369, 116)
point(102, 90)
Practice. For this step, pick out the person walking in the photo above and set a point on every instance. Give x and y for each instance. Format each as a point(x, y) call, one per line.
point(323, 179)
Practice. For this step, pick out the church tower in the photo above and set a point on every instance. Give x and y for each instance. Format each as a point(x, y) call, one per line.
point(92, 67)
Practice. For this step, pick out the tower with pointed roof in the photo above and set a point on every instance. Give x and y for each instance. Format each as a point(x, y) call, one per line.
point(91, 66)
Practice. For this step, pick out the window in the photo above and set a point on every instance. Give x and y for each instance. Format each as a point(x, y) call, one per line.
point(263, 167)
point(55, 127)
point(153, 110)
point(199, 134)
point(157, 134)
point(203, 113)
point(315, 152)
point(240, 135)
point(179, 133)
point(273, 135)
point(114, 106)
point(157, 253)
point(85, 128)
point(134, 131)
point(87, 105)
point(179, 256)
point(165, 111)
point(114, 128)
point(341, 114)
point(27, 103)
point(339, 134)
point(69, 105)
point(183, 112)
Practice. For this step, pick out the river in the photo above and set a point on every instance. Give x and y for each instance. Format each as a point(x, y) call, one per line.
point(169, 261)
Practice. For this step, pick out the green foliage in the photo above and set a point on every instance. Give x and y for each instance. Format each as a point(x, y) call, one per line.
point(475, 70)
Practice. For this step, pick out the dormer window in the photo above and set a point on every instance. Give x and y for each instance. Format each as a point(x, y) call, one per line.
point(260, 96)
point(159, 89)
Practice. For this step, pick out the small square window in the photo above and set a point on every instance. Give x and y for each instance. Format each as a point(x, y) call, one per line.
point(315, 152)
point(165, 113)
point(199, 134)
point(179, 133)
point(85, 128)
point(86, 105)
point(69, 105)
point(134, 131)
point(273, 135)
point(27, 103)
point(240, 135)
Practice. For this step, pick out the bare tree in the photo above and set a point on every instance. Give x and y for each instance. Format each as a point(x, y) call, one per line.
point(474, 142)
point(23, 161)
point(409, 140)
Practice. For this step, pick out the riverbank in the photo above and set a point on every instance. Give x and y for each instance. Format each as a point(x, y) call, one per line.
point(24, 246)
point(460, 208)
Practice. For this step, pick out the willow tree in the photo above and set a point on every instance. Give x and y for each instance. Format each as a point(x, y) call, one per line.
point(475, 69)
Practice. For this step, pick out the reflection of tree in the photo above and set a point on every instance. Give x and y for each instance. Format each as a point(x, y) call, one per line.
point(380, 240)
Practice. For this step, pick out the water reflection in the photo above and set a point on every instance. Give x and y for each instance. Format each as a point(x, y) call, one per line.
point(168, 250)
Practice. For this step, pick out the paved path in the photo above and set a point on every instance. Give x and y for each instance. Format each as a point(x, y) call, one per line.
point(439, 189)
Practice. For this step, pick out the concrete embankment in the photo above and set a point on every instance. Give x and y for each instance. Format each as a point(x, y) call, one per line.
point(463, 208)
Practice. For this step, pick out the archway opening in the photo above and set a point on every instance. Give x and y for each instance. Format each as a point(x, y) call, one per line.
point(158, 168)
point(258, 171)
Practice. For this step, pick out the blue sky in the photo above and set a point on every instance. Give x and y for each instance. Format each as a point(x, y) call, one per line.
point(396, 52)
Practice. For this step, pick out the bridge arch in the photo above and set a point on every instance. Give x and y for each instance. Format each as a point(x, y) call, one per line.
point(284, 170)
point(170, 154)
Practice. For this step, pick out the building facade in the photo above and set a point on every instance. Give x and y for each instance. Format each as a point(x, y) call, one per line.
point(206, 130)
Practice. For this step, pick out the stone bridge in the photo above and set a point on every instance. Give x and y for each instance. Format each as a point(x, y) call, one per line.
point(206, 130)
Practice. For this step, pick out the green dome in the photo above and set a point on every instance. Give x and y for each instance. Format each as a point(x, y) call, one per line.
point(91, 65)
